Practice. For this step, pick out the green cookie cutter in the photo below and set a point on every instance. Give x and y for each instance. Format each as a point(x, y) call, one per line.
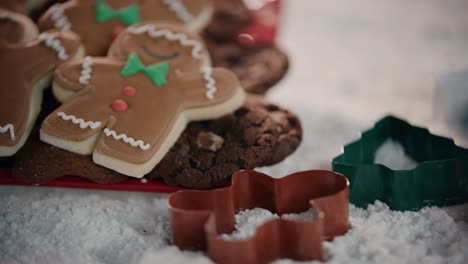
point(441, 177)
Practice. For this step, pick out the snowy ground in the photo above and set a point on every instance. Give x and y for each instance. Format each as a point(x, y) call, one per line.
point(352, 62)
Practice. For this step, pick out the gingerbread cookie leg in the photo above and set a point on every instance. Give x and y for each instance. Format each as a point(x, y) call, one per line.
point(75, 119)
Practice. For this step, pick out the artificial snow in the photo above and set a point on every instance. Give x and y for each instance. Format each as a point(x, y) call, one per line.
point(70, 226)
point(392, 154)
point(248, 220)
point(304, 216)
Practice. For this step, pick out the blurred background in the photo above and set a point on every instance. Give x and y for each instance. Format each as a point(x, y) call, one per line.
point(352, 62)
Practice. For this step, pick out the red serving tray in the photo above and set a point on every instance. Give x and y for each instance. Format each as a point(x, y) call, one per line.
point(73, 182)
point(263, 29)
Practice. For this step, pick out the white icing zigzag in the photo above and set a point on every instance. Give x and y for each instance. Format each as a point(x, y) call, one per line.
point(4, 129)
point(179, 8)
point(86, 70)
point(126, 139)
point(197, 47)
point(210, 82)
point(79, 121)
point(60, 19)
point(51, 42)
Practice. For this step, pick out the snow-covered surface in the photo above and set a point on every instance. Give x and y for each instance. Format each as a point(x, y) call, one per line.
point(248, 220)
point(392, 154)
point(352, 62)
point(380, 235)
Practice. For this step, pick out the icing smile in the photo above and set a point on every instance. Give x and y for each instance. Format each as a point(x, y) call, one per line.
point(159, 56)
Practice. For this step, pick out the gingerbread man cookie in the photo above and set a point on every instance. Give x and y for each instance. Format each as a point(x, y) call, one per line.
point(99, 21)
point(28, 62)
point(130, 107)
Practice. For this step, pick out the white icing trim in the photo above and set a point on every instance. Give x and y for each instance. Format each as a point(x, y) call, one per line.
point(179, 9)
point(126, 139)
point(51, 42)
point(210, 82)
point(79, 121)
point(86, 70)
point(59, 18)
point(4, 129)
point(197, 47)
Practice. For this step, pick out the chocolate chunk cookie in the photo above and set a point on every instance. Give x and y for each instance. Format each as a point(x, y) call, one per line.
point(229, 17)
point(258, 67)
point(205, 156)
point(207, 153)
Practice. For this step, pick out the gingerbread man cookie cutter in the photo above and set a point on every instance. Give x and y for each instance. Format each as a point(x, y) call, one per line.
point(198, 218)
point(28, 62)
point(97, 22)
point(440, 178)
point(128, 109)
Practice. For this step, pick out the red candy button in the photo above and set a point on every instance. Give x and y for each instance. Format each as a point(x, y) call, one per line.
point(129, 91)
point(119, 105)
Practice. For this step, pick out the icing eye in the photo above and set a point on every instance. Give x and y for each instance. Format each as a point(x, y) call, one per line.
point(159, 56)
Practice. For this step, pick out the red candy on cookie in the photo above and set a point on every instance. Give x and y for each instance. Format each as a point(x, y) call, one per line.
point(119, 105)
point(129, 91)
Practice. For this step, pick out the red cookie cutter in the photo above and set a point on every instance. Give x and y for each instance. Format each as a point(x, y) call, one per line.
point(198, 218)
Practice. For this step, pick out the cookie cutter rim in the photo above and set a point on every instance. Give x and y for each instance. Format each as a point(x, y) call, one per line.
point(200, 217)
point(435, 181)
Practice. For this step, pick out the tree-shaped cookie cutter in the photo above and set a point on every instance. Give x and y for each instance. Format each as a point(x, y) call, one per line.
point(198, 218)
point(441, 177)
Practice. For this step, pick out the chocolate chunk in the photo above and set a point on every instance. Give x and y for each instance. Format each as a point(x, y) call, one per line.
point(229, 17)
point(209, 141)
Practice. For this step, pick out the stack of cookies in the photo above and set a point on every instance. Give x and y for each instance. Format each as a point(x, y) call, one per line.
point(112, 89)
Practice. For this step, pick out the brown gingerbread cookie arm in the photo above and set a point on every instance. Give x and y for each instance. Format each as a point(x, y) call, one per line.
point(80, 17)
point(210, 86)
point(58, 16)
point(49, 51)
point(16, 28)
point(73, 77)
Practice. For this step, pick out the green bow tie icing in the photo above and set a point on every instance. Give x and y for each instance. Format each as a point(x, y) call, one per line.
point(157, 72)
point(128, 15)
